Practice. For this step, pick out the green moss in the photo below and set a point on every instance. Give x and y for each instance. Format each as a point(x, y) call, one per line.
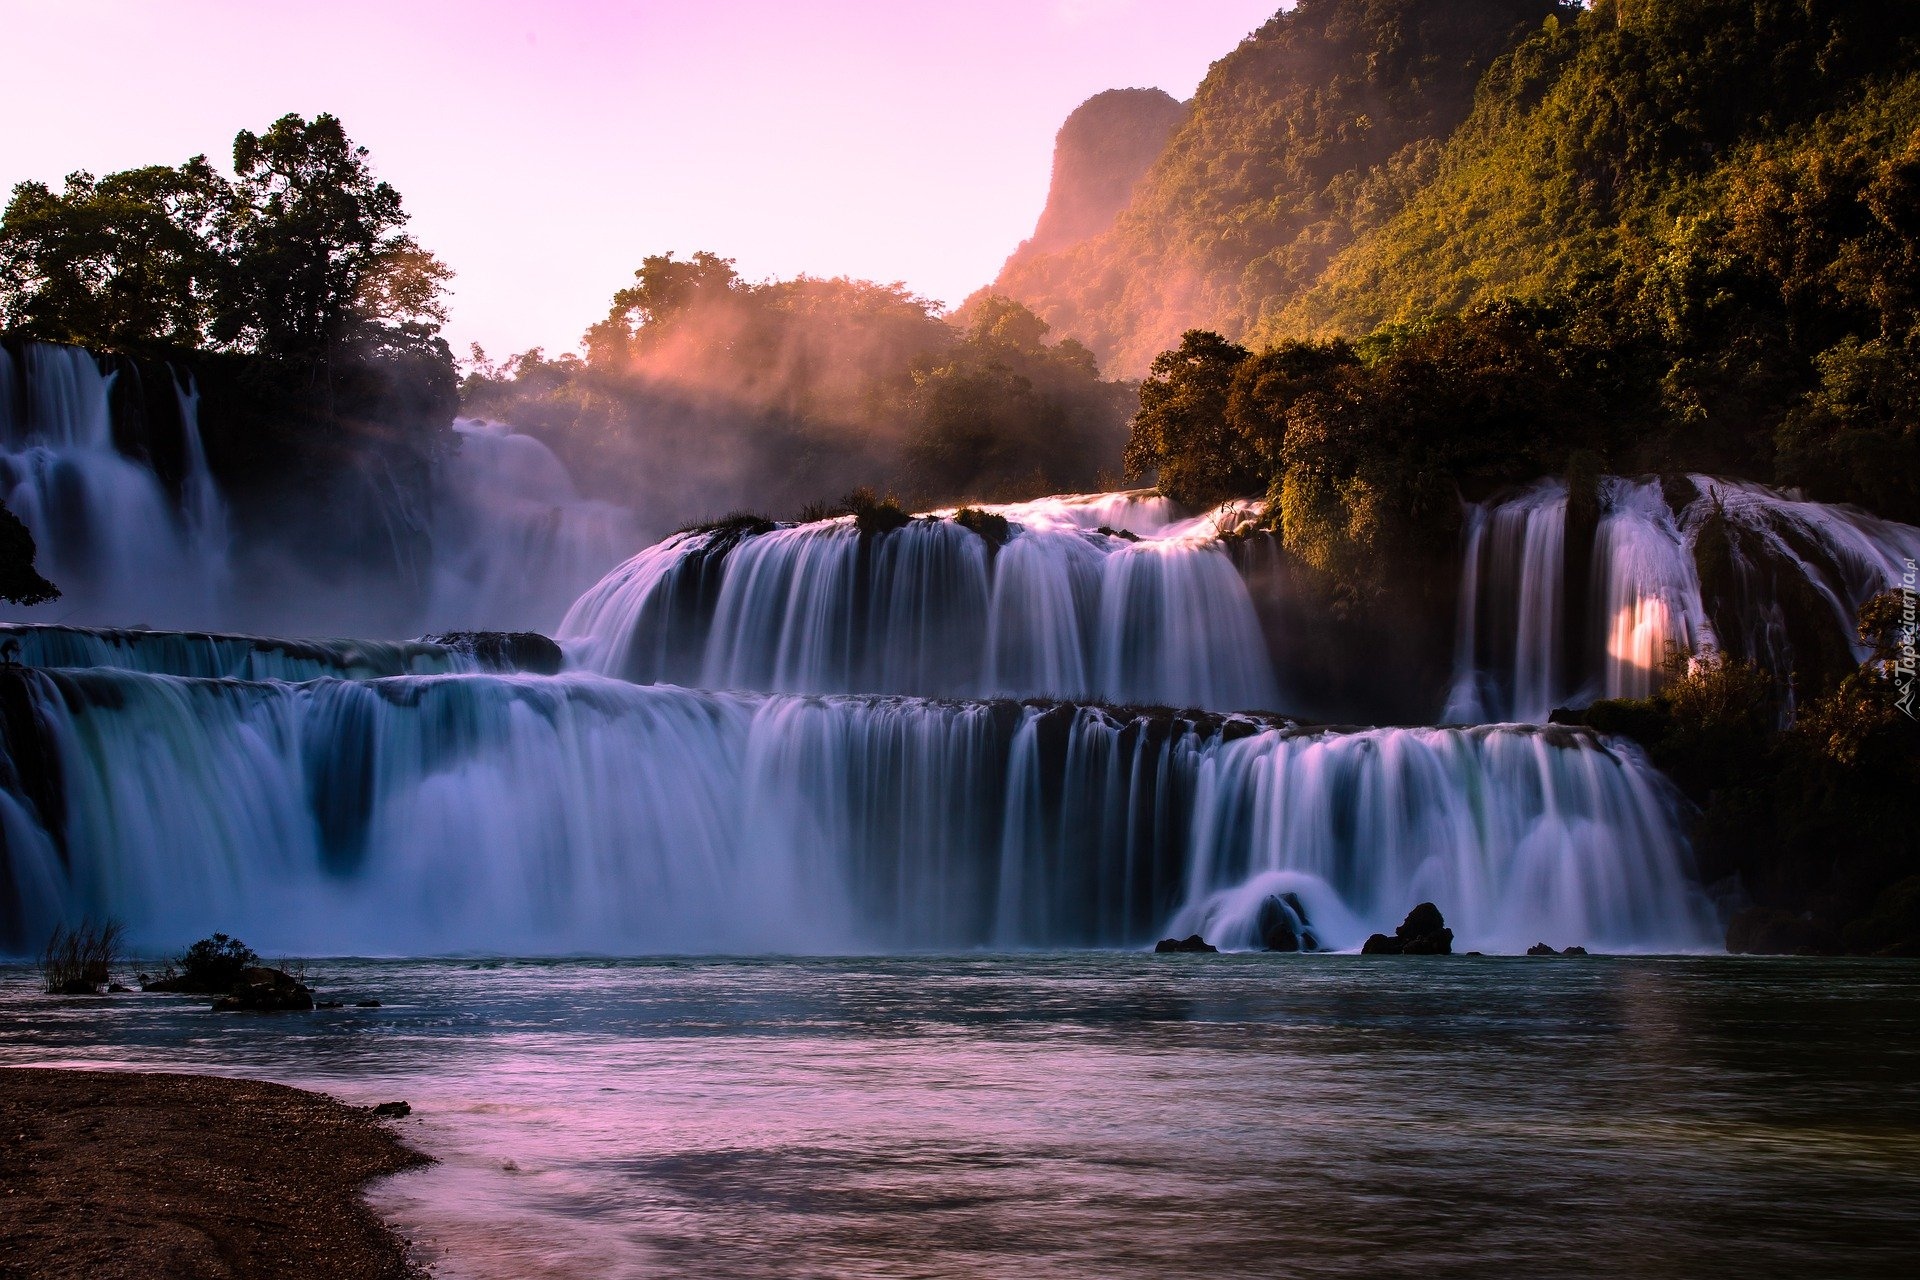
point(990, 526)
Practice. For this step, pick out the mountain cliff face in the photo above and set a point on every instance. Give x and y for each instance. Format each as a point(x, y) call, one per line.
point(1099, 156)
point(1316, 128)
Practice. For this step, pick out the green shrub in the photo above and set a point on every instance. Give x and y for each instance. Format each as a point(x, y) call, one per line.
point(213, 964)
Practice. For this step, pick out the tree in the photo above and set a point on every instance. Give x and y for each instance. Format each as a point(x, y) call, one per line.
point(662, 289)
point(319, 258)
point(1182, 430)
point(20, 582)
point(127, 260)
point(302, 256)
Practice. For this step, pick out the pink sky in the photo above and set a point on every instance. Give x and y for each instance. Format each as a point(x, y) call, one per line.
point(543, 149)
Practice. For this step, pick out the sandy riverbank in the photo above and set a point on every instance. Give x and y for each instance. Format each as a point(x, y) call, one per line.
point(137, 1174)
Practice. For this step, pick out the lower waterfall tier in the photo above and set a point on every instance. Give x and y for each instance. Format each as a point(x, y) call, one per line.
point(425, 814)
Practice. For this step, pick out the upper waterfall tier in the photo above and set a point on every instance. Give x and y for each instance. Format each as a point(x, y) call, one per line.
point(1108, 597)
point(512, 813)
point(1116, 598)
point(131, 526)
point(1551, 616)
point(129, 529)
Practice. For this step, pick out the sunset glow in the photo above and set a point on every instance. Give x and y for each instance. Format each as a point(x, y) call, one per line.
point(544, 151)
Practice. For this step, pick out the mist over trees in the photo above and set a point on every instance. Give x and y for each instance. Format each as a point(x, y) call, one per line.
point(701, 393)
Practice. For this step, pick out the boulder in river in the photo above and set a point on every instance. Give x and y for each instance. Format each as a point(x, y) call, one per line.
point(1283, 924)
point(1193, 942)
point(1423, 933)
point(265, 990)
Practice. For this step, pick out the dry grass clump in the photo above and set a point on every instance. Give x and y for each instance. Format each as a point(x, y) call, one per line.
point(79, 961)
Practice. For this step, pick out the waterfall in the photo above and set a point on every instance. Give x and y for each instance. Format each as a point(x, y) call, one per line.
point(509, 541)
point(432, 813)
point(110, 535)
point(1791, 575)
point(1107, 597)
point(513, 541)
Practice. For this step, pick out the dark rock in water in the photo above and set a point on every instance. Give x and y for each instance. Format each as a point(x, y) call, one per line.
point(1125, 535)
point(1283, 924)
point(527, 651)
point(1423, 933)
point(366, 1004)
point(329, 1004)
point(1193, 942)
point(75, 987)
point(1541, 949)
point(1574, 951)
point(119, 988)
point(393, 1109)
point(264, 990)
point(1768, 931)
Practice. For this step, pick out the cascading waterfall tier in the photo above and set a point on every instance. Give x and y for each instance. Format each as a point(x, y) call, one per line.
point(1670, 567)
point(214, 655)
point(420, 814)
point(129, 541)
point(1105, 597)
point(120, 543)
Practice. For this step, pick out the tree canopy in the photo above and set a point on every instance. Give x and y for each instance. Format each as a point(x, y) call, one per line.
point(301, 255)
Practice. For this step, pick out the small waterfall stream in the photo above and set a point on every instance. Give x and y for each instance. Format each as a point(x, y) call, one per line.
point(1788, 577)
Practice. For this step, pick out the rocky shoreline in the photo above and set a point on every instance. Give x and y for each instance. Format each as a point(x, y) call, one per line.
point(140, 1174)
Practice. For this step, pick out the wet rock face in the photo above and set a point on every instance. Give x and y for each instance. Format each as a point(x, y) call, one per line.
point(1768, 931)
point(1423, 933)
point(1283, 924)
point(264, 990)
point(1192, 943)
point(527, 651)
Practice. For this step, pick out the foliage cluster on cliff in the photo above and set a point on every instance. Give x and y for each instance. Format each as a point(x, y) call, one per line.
point(701, 392)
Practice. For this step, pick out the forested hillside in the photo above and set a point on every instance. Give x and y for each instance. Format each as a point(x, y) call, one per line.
point(1314, 130)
